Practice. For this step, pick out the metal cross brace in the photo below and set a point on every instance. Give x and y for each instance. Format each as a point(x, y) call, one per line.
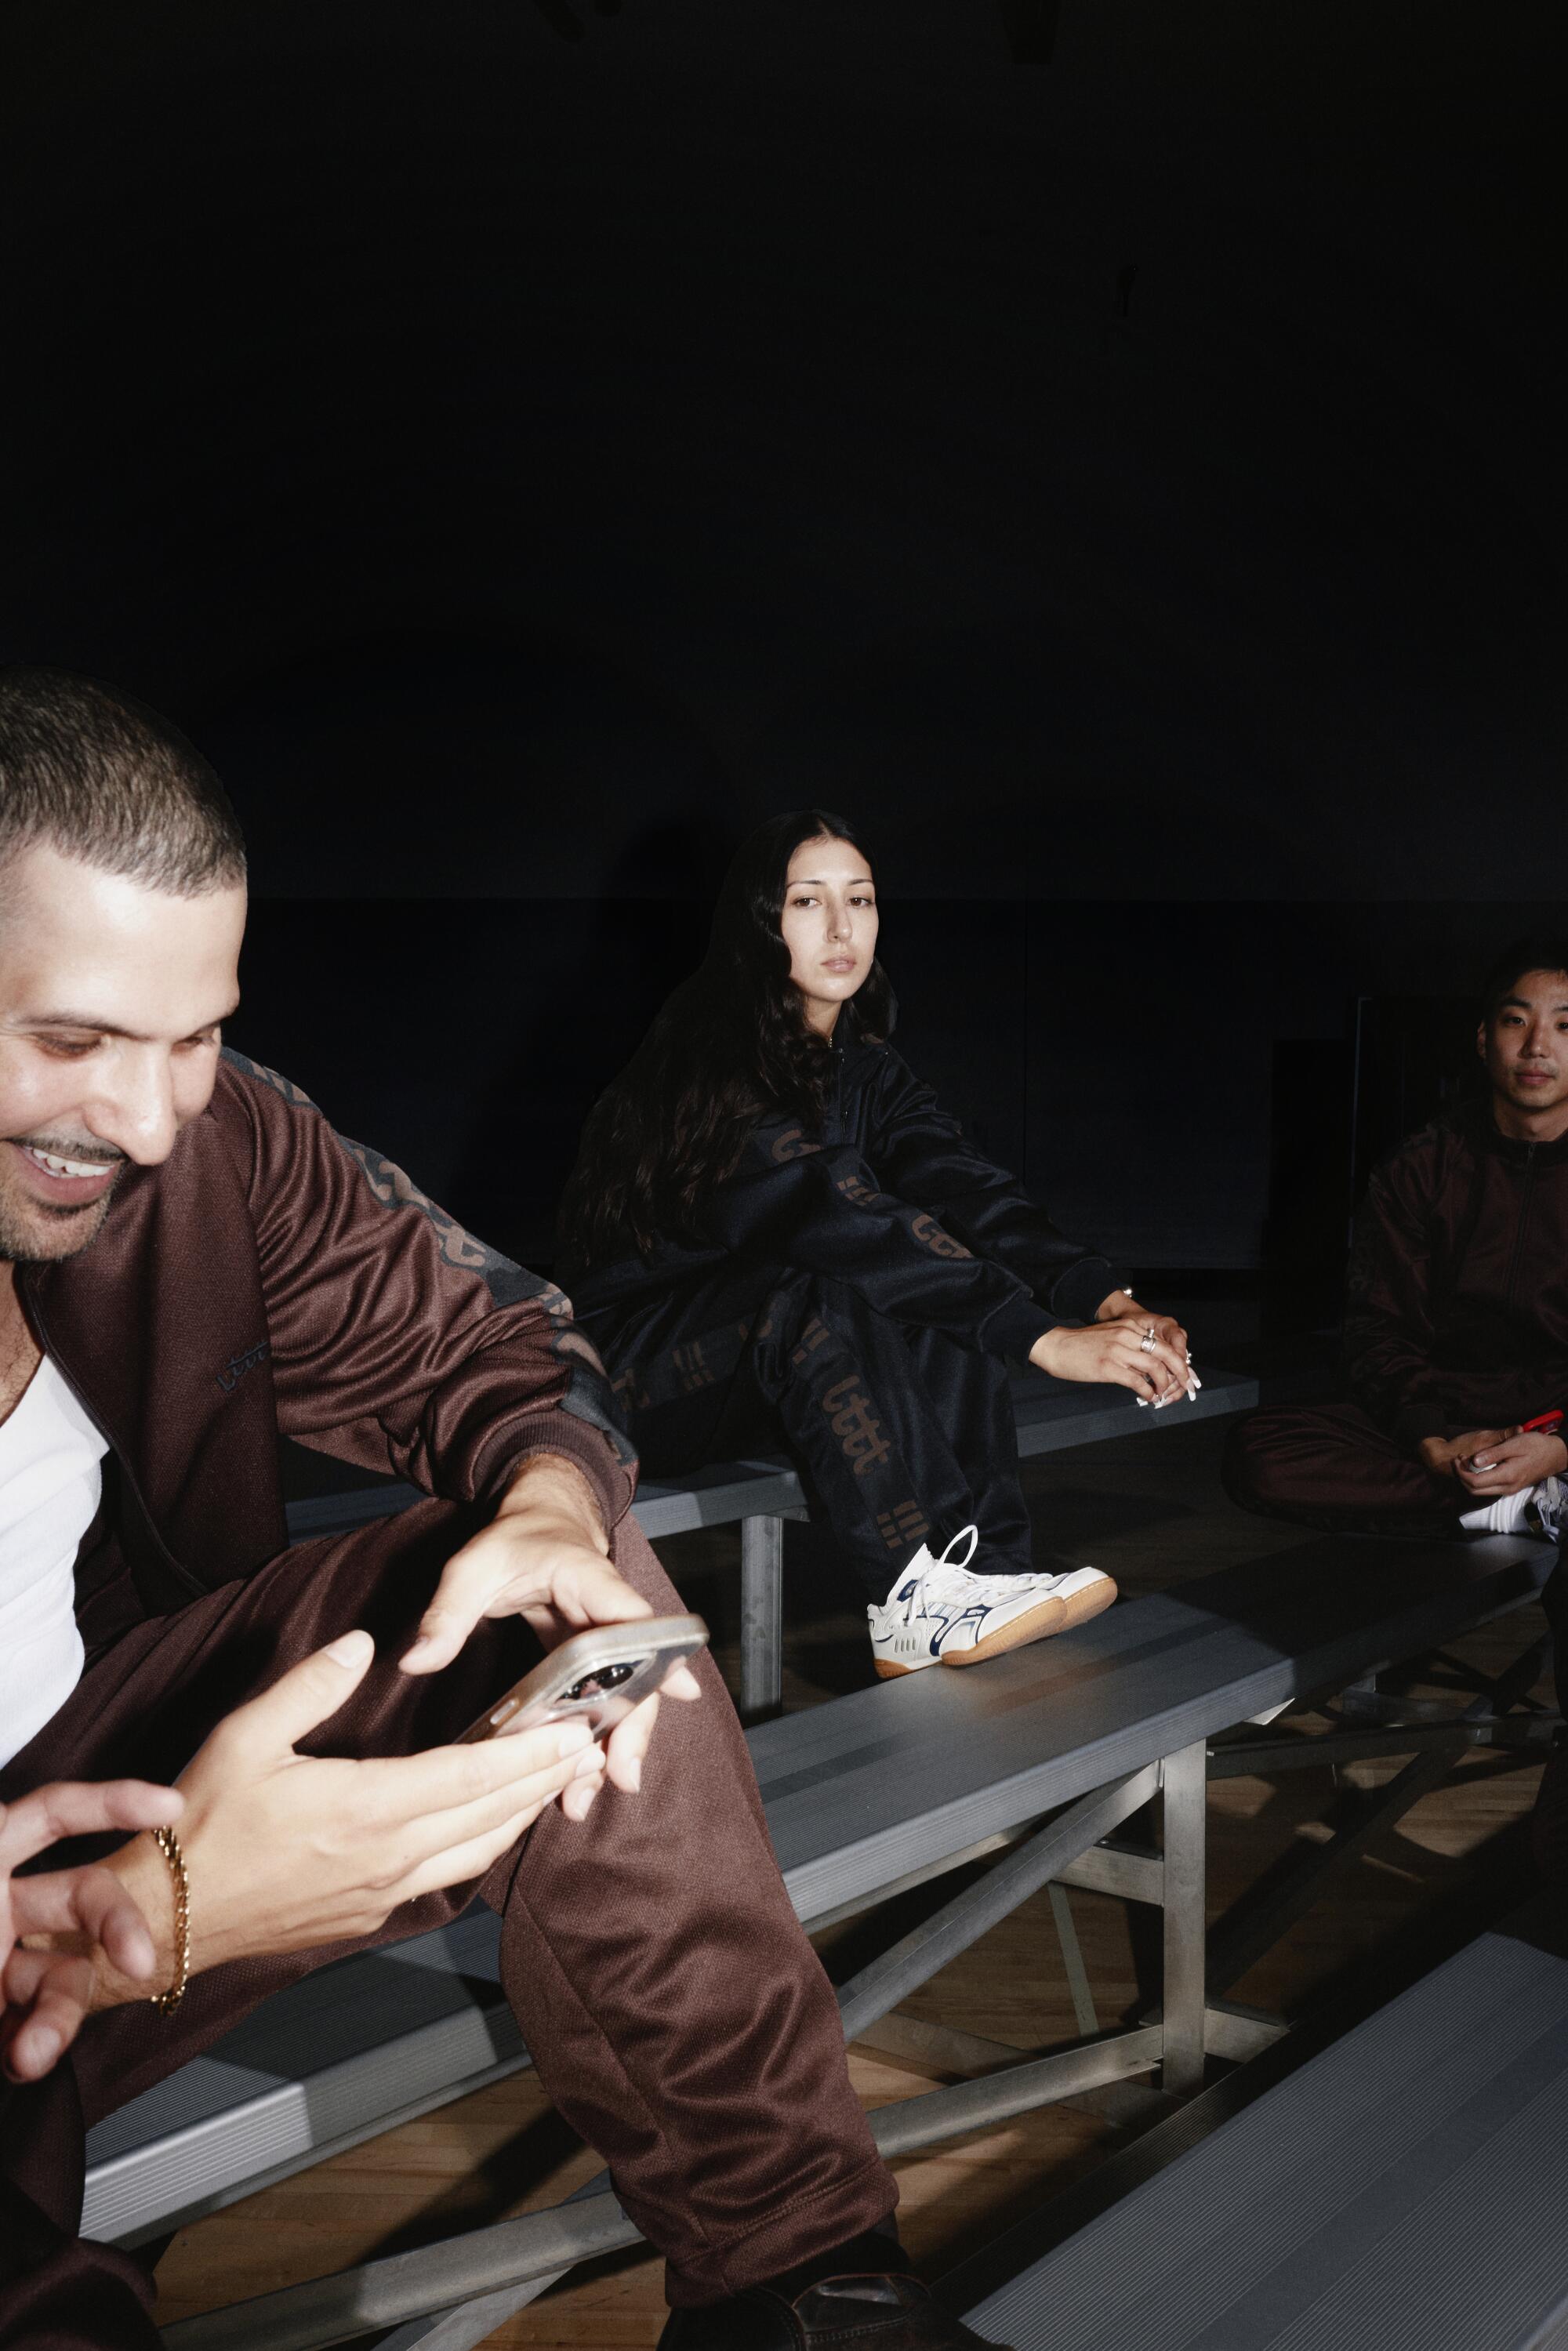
point(1255, 1924)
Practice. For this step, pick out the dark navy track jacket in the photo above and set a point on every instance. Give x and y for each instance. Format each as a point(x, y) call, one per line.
point(890, 1197)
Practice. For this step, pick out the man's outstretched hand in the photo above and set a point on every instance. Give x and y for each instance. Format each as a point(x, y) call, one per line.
point(47, 1993)
point(288, 1852)
point(545, 1557)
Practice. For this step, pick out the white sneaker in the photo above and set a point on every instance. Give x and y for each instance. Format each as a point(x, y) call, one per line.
point(938, 1612)
point(1534, 1511)
point(1546, 1511)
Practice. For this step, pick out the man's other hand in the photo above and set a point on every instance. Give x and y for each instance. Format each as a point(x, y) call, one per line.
point(288, 1852)
point(545, 1557)
point(1511, 1465)
point(1443, 1455)
point(46, 1991)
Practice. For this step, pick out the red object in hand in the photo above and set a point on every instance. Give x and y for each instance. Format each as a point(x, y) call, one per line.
point(1548, 1423)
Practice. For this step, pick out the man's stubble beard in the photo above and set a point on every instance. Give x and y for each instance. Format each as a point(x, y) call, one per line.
point(1527, 1098)
point(22, 1243)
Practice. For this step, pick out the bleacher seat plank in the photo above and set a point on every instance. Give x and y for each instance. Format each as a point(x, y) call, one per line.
point(1052, 1416)
point(878, 1783)
point(1404, 2191)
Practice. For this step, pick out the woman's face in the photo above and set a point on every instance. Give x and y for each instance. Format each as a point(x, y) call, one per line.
point(829, 924)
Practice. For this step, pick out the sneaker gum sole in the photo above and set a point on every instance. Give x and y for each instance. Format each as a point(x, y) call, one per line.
point(1050, 1617)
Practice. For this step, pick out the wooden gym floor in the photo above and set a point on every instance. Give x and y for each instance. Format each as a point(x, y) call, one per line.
point(1150, 1510)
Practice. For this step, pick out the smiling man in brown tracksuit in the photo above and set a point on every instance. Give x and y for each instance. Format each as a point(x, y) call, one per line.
point(192, 1261)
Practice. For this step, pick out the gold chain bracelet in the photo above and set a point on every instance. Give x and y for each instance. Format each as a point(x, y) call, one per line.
point(168, 1844)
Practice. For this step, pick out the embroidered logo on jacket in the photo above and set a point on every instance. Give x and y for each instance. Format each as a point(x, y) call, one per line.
point(940, 1242)
point(815, 1334)
point(792, 1144)
point(905, 1524)
point(856, 1188)
point(235, 1369)
point(855, 1425)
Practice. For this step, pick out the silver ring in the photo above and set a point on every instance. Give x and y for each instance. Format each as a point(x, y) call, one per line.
point(1146, 1344)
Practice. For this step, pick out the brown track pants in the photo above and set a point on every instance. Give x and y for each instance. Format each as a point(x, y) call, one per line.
point(1329, 1466)
point(676, 2013)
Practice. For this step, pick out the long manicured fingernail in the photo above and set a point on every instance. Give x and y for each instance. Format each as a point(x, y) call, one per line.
point(348, 1649)
point(573, 1735)
point(633, 1774)
point(593, 1762)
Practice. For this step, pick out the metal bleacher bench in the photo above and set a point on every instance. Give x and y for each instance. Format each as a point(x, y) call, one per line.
point(1405, 2187)
point(1033, 1763)
point(760, 1494)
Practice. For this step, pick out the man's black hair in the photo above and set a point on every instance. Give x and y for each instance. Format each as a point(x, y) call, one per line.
point(1521, 956)
point(91, 772)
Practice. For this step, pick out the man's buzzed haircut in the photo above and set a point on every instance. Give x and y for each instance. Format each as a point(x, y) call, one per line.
point(93, 774)
point(1540, 954)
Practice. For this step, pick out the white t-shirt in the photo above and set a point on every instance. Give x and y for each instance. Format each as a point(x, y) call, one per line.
point(50, 1483)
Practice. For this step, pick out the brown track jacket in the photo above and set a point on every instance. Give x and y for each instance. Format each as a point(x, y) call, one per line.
point(1457, 1313)
point(272, 1278)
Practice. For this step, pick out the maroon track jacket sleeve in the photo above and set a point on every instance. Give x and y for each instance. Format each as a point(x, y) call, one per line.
point(400, 1341)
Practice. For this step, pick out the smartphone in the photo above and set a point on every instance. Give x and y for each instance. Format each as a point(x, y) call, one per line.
point(597, 1678)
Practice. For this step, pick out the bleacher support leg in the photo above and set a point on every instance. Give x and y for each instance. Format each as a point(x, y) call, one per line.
point(1185, 1807)
point(761, 1615)
point(1072, 1960)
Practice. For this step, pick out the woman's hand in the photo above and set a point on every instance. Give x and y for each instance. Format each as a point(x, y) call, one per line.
point(1126, 1345)
point(1123, 1307)
point(543, 1557)
point(1520, 1460)
point(48, 1990)
point(288, 1852)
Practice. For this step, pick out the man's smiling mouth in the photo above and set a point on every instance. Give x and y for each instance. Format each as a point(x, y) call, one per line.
point(81, 1170)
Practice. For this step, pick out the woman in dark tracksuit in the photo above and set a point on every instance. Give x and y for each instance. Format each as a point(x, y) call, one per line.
point(774, 1232)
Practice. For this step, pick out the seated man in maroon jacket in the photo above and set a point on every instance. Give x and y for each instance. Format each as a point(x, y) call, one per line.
point(1457, 1319)
point(191, 1262)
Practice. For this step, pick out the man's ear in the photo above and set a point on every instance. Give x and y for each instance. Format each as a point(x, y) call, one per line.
point(1481, 1040)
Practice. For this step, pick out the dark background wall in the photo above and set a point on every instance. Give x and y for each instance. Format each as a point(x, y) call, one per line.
point(1116, 452)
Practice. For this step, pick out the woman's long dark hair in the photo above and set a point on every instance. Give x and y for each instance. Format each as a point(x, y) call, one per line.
point(730, 1046)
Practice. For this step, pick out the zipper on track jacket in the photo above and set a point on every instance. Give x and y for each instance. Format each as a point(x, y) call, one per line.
point(1524, 1191)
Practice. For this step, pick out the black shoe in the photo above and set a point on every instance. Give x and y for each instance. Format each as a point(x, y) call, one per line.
point(862, 2311)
